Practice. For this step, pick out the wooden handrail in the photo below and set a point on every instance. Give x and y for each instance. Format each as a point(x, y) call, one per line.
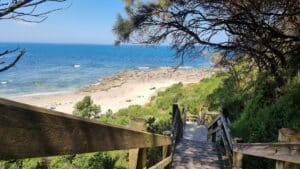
point(218, 131)
point(178, 122)
point(285, 152)
point(163, 163)
point(214, 122)
point(275, 151)
point(28, 131)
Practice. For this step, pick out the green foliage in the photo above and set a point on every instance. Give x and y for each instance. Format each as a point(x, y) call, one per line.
point(257, 106)
point(87, 109)
point(193, 96)
point(261, 119)
point(94, 161)
point(34, 163)
point(154, 155)
point(122, 28)
point(62, 162)
point(231, 96)
point(108, 162)
point(14, 164)
point(166, 98)
point(87, 161)
point(157, 125)
point(123, 116)
point(260, 123)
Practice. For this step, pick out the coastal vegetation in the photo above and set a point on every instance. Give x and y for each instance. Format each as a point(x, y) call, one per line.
point(87, 109)
point(257, 107)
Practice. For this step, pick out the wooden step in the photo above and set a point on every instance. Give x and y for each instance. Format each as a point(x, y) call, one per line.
point(198, 155)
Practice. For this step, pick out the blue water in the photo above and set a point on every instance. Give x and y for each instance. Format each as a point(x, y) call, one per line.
point(60, 67)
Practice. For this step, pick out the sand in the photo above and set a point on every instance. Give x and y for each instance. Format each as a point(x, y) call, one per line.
point(120, 90)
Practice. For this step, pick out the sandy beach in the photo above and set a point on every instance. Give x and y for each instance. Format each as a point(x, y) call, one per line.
point(120, 90)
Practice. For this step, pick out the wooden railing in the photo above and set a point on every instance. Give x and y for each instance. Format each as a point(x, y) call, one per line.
point(219, 131)
point(202, 119)
point(286, 152)
point(192, 118)
point(28, 131)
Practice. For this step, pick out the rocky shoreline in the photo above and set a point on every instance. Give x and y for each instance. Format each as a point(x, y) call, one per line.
point(119, 79)
point(120, 90)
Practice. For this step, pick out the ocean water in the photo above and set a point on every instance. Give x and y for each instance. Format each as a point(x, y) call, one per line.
point(59, 67)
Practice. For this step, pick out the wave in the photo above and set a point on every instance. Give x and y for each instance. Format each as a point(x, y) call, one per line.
point(143, 67)
point(4, 82)
point(165, 67)
point(76, 66)
point(39, 94)
point(186, 67)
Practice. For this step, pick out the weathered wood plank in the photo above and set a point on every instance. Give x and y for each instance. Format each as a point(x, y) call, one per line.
point(276, 151)
point(212, 113)
point(192, 118)
point(29, 131)
point(227, 147)
point(137, 157)
point(286, 136)
point(213, 123)
point(227, 130)
point(163, 163)
point(237, 160)
point(166, 150)
point(190, 154)
point(210, 132)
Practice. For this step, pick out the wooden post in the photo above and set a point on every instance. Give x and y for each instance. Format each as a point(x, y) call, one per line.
point(184, 116)
point(137, 157)
point(287, 135)
point(237, 160)
point(166, 150)
point(178, 121)
point(174, 109)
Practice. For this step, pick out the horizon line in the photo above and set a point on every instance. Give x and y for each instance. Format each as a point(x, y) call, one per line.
point(81, 43)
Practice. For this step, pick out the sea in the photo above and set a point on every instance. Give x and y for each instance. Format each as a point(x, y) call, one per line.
point(47, 68)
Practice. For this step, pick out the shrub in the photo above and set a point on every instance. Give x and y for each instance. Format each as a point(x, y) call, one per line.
point(64, 162)
point(87, 109)
point(34, 163)
point(94, 161)
point(257, 107)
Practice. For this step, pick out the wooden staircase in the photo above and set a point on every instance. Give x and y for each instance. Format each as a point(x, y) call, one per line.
point(195, 152)
point(198, 155)
point(28, 131)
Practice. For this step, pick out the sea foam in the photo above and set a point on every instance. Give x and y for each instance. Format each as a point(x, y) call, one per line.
point(76, 66)
point(143, 68)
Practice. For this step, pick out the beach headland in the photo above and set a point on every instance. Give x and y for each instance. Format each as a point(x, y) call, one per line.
point(120, 90)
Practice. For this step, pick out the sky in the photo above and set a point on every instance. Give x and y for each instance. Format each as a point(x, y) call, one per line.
point(86, 21)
